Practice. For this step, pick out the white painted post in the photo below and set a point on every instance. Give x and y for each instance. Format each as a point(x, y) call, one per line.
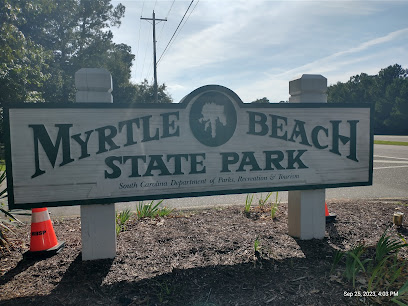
point(306, 214)
point(98, 220)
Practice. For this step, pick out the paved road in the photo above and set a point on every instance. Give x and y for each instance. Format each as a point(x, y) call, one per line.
point(390, 176)
point(390, 181)
point(391, 138)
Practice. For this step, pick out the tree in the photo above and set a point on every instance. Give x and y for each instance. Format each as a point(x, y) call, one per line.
point(144, 93)
point(22, 62)
point(387, 92)
point(56, 38)
point(76, 34)
point(263, 100)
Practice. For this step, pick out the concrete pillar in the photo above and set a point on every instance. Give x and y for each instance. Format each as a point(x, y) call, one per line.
point(97, 220)
point(306, 214)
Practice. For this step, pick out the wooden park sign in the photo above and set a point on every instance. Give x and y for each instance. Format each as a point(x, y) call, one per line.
point(208, 144)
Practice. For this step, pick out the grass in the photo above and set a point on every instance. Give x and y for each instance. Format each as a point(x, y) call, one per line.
point(392, 143)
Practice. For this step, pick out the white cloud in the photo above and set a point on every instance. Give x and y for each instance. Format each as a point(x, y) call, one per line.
point(339, 66)
point(256, 47)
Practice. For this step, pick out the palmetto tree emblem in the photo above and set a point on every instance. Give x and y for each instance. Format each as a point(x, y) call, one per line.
point(213, 118)
point(211, 114)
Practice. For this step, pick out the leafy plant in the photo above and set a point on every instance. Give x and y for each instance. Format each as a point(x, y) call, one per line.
point(257, 248)
point(337, 257)
point(4, 243)
point(7, 217)
point(2, 179)
point(256, 245)
point(354, 263)
point(248, 203)
point(386, 246)
point(152, 210)
point(165, 291)
point(147, 210)
point(385, 272)
point(402, 204)
point(387, 268)
point(401, 295)
point(164, 212)
point(121, 219)
point(262, 202)
point(274, 206)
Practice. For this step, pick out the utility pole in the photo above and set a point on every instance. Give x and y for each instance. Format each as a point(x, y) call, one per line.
point(154, 19)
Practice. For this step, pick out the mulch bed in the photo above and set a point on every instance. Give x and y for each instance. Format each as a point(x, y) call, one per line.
point(201, 257)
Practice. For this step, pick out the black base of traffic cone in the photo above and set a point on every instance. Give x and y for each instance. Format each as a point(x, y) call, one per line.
point(46, 253)
point(331, 218)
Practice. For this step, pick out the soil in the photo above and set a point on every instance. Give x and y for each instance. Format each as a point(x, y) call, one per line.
point(204, 257)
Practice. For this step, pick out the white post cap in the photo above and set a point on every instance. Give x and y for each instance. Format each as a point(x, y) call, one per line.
point(93, 85)
point(93, 79)
point(308, 88)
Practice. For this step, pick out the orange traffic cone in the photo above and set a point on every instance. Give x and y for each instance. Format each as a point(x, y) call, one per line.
point(43, 240)
point(329, 217)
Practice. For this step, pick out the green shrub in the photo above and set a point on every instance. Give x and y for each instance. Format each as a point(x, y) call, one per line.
point(121, 219)
point(262, 202)
point(6, 217)
point(152, 210)
point(248, 203)
point(274, 206)
point(385, 272)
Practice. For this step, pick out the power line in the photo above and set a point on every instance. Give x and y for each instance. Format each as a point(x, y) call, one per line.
point(144, 59)
point(146, 49)
point(185, 21)
point(166, 18)
point(158, 38)
point(175, 31)
point(170, 8)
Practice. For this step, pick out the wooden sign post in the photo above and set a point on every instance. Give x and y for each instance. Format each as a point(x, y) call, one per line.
point(98, 222)
point(211, 143)
point(306, 211)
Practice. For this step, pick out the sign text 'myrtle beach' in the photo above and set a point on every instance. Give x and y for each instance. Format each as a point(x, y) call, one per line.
point(257, 125)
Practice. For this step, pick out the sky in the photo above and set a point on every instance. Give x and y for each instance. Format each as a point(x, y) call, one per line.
point(256, 47)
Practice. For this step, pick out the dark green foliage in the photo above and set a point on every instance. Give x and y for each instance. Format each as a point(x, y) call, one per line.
point(22, 60)
point(143, 93)
point(6, 217)
point(387, 91)
point(44, 42)
point(383, 271)
point(47, 41)
point(121, 219)
point(152, 210)
point(263, 100)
